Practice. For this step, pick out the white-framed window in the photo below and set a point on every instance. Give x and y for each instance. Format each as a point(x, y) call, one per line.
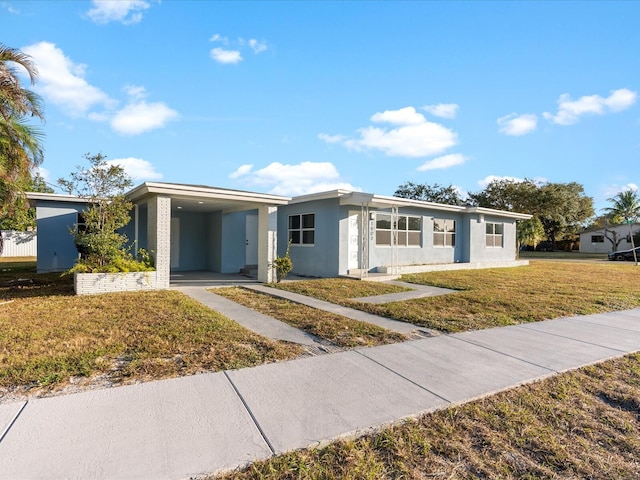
point(494, 235)
point(444, 232)
point(302, 229)
point(81, 224)
point(597, 238)
point(409, 230)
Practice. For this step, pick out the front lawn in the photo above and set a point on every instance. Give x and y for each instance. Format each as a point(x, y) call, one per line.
point(495, 297)
point(49, 337)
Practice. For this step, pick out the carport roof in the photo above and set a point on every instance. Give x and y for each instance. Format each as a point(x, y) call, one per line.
point(201, 198)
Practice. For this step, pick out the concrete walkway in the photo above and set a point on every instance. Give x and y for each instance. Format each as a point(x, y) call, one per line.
point(195, 425)
point(388, 323)
point(417, 291)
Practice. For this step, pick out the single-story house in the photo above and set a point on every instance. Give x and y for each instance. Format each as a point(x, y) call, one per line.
point(195, 228)
point(599, 240)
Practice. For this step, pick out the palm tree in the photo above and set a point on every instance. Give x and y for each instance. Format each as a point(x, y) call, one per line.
point(626, 208)
point(20, 143)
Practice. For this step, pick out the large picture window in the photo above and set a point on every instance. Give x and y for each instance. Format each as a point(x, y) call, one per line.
point(597, 238)
point(409, 230)
point(302, 229)
point(494, 234)
point(444, 233)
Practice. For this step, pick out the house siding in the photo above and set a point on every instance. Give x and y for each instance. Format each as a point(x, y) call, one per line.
point(587, 246)
point(56, 249)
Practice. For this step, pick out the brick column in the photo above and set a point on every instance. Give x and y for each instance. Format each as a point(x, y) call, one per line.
point(267, 242)
point(159, 237)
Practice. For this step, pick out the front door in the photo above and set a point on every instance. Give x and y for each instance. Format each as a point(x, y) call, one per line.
point(175, 242)
point(251, 242)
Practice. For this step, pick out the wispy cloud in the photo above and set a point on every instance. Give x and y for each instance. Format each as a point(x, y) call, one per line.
point(570, 111)
point(516, 125)
point(443, 110)
point(126, 12)
point(490, 178)
point(232, 51)
point(139, 116)
point(10, 8)
point(63, 83)
point(292, 180)
point(410, 135)
point(446, 161)
point(138, 169)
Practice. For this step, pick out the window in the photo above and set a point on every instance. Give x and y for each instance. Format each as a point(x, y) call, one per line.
point(597, 238)
point(444, 233)
point(409, 230)
point(302, 229)
point(81, 224)
point(494, 234)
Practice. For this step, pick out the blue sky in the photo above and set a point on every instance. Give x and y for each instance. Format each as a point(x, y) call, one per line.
point(296, 97)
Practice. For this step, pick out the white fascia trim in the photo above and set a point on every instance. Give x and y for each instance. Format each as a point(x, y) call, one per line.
point(55, 197)
point(204, 192)
point(499, 213)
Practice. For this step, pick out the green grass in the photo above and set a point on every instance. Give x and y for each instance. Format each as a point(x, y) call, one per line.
point(48, 335)
point(525, 254)
point(582, 424)
point(336, 329)
point(495, 297)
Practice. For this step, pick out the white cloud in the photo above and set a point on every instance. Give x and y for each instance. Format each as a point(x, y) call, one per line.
point(570, 111)
point(9, 8)
point(224, 56)
point(332, 138)
point(444, 110)
point(402, 116)
point(137, 168)
point(446, 161)
point(292, 180)
point(62, 82)
point(242, 170)
point(516, 125)
point(412, 135)
point(256, 46)
point(44, 173)
point(233, 54)
point(140, 116)
point(613, 190)
point(124, 11)
point(490, 178)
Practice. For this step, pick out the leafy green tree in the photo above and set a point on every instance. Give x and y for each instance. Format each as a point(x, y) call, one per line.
point(626, 209)
point(20, 143)
point(24, 217)
point(561, 208)
point(430, 193)
point(102, 246)
point(529, 232)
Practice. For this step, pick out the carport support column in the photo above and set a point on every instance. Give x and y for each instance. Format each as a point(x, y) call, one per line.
point(267, 242)
point(159, 237)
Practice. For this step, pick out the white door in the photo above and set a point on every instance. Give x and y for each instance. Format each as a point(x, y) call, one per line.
point(175, 242)
point(353, 250)
point(251, 242)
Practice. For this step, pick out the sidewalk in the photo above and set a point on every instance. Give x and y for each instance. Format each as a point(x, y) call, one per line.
point(213, 422)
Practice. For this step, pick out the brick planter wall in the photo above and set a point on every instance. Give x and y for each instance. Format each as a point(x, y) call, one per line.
point(92, 283)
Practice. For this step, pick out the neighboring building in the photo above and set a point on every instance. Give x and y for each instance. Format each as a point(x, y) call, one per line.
point(19, 244)
point(597, 240)
point(194, 228)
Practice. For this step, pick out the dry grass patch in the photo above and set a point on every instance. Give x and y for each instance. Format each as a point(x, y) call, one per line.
point(498, 297)
point(583, 424)
point(48, 336)
point(338, 330)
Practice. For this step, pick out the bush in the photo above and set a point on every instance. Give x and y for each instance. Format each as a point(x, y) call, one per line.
point(283, 265)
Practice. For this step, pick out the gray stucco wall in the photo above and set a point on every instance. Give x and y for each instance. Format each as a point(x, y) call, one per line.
point(479, 252)
point(214, 237)
point(322, 258)
point(56, 249)
point(192, 241)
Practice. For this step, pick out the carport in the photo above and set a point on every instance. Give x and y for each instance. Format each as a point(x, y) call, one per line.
point(199, 228)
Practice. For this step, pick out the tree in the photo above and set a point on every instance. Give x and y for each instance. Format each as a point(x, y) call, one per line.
point(430, 193)
point(21, 147)
point(102, 247)
point(561, 208)
point(626, 209)
point(529, 232)
point(24, 217)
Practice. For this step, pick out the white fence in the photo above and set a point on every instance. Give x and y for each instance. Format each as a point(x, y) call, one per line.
point(19, 244)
